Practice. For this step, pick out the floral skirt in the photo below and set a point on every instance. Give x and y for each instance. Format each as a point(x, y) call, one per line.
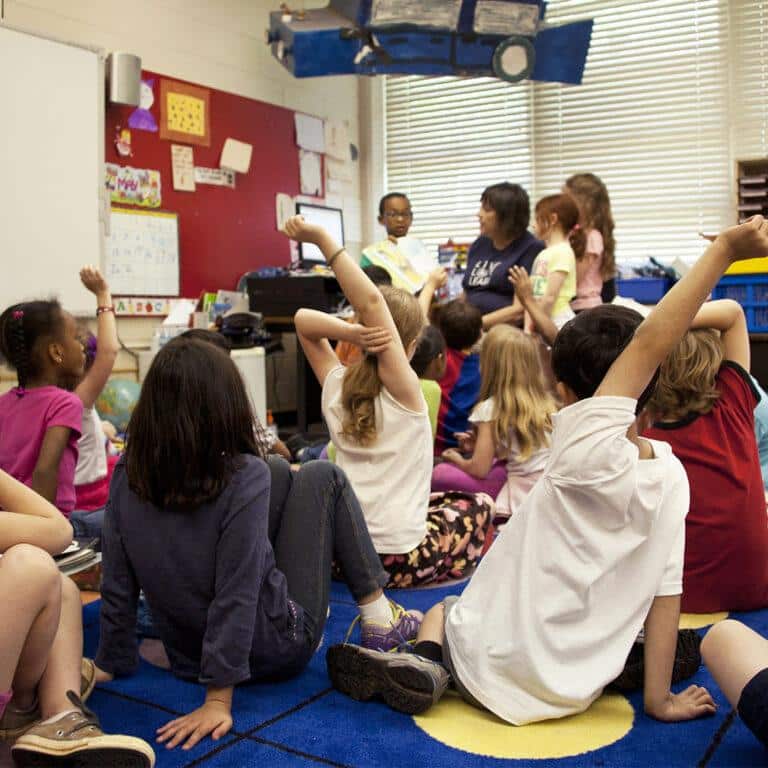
point(457, 527)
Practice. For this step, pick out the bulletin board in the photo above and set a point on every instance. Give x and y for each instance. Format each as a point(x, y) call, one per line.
point(142, 253)
point(223, 232)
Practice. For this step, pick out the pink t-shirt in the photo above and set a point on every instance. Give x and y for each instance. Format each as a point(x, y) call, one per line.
point(25, 415)
point(589, 283)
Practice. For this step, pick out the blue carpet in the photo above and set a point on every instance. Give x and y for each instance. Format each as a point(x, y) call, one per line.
point(305, 722)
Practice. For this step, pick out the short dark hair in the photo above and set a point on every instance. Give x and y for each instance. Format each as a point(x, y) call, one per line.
point(461, 324)
point(389, 196)
point(209, 337)
point(512, 207)
point(22, 327)
point(431, 345)
point(588, 345)
point(190, 428)
point(378, 275)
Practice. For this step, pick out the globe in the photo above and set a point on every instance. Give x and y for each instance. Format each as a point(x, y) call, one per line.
point(117, 401)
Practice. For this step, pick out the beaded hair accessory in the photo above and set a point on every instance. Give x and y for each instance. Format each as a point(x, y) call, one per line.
point(18, 314)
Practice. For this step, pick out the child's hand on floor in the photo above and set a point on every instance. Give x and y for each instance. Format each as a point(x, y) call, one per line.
point(93, 280)
point(748, 240)
point(689, 704)
point(373, 340)
point(214, 718)
point(298, 229)
point(522, 282)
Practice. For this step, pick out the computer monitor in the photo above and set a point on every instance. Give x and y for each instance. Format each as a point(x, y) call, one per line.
point(331, 219)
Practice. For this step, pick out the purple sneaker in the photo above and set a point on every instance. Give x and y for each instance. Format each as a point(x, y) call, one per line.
point(386, 637)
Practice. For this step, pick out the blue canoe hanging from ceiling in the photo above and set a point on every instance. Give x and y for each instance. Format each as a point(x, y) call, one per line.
point(503, 38)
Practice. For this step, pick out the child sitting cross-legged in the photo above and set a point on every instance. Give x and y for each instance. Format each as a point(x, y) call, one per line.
point(704, 408)
point(379, 423)
point(237, 569)
point(512, 421)
point(594, 553)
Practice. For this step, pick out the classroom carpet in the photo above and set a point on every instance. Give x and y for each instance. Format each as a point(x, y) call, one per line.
point(305, 722)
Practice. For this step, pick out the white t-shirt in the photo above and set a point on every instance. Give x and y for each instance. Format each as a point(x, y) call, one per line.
point(521, 475)
point(550, 616)
point(391, 477)
point(92, 454)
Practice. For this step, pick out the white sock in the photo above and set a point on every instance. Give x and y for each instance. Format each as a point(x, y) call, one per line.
point(378, 611)
point(59, 716)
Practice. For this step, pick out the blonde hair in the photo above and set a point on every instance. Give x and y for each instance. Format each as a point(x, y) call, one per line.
point(362, 384)
point(687, 378)
point(511, 374)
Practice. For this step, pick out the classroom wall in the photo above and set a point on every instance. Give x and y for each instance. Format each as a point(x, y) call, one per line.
point(215, 43)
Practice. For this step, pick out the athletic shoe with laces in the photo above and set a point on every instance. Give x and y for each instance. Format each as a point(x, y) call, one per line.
point(405, 681)
point(76, 739)
point(16, 722)
point(386, 637)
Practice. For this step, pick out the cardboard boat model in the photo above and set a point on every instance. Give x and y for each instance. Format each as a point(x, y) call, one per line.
point(502, 38)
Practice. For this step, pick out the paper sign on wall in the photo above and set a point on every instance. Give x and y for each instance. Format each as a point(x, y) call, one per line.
point(133, 186)
point(311, 172)
point(284, 208)
point(218, 177)
point(337, 139)
point(183, 166)
point(310, 133)
point(338, 170)
point(236, 156)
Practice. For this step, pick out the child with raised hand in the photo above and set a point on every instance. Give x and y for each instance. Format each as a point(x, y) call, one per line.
point(513, 422)
point(92, 472)
point(545, 624)
point(43, 678)
point(377, 417)
point(596, 269)
point(237, 570)
point(554, 270)
point(41, 419)
point(704, 408)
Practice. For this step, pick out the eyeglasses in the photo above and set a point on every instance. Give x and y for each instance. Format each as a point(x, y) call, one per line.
point(398, 214)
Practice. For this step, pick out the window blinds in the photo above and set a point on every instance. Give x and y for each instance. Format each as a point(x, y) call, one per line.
point(651, 119)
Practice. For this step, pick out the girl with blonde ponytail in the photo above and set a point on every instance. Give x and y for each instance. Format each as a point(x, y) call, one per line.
point(379, 424)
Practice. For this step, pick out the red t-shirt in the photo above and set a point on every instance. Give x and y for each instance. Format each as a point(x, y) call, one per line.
point(726, 531)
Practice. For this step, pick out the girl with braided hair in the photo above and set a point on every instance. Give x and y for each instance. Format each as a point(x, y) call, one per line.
point(41, 418)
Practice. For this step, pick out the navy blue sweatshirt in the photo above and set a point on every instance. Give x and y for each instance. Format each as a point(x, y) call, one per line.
point(219, 603)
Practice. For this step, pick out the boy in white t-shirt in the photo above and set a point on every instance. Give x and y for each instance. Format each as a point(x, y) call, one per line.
point(593, 555)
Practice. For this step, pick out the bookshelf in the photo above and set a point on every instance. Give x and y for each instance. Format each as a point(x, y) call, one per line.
point(751, 187)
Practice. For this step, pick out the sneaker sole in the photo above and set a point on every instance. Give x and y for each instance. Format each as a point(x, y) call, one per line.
point(100, 752)
point(362, 677)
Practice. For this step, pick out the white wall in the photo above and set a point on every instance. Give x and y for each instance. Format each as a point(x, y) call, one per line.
point(217, 43)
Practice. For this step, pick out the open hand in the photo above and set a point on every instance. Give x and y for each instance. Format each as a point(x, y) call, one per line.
point(689, 704)
point(302, 231)
point(373, 340)
point(93, 280)
point(522, 282)
point(214, 718)
point(438, 277)
point(748, 240)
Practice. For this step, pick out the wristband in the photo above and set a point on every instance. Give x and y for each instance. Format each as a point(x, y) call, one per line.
point(107, 308)
point(338, 253)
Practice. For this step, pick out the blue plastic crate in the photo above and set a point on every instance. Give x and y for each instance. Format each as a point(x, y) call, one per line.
point(751, 291)
point(646, 290)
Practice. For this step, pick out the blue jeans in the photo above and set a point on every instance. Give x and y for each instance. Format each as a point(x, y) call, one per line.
point(88, 525)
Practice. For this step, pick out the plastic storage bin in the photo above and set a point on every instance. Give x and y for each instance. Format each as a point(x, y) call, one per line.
point(645, 290)
point(751, 291)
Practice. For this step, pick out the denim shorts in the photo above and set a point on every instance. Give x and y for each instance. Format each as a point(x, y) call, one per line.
point(753, 706)
point(448, 604)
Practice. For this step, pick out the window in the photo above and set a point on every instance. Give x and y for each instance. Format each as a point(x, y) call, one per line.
point(651, 119)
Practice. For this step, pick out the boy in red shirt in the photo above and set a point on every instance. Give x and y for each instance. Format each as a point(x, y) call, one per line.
point(704, 408)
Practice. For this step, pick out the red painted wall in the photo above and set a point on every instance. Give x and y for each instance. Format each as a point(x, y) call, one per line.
point(222, 232)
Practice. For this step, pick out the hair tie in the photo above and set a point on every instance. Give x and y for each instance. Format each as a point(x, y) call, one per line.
point(18, 314)
point(575, 227)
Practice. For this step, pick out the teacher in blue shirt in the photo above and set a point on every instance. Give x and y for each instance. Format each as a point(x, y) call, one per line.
point(504, 242)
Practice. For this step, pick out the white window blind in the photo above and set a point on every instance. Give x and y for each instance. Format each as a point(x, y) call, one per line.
point(447, 139)
point(749, 103)
point(651, 119)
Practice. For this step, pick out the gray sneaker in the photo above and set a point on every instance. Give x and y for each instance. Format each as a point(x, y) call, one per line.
point(407, 682)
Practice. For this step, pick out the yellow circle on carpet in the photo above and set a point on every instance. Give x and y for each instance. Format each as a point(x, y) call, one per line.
point(462, 726)
point(699, 620)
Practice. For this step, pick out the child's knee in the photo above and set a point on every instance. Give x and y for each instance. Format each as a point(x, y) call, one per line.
point(69, 590)
point(30, 563)
point(722, 633)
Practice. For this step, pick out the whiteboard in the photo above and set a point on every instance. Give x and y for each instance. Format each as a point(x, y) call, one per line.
point(51, 168)
point(142, 256)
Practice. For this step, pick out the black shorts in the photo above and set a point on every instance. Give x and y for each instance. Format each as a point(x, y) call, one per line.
point(753, 706)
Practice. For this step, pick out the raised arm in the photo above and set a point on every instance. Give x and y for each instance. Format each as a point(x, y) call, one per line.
point(727, 316)
point(660, 332)
point(107, 345)
point(29, 519)
point(540, 316)
point(437, 279)
point(394, 369)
